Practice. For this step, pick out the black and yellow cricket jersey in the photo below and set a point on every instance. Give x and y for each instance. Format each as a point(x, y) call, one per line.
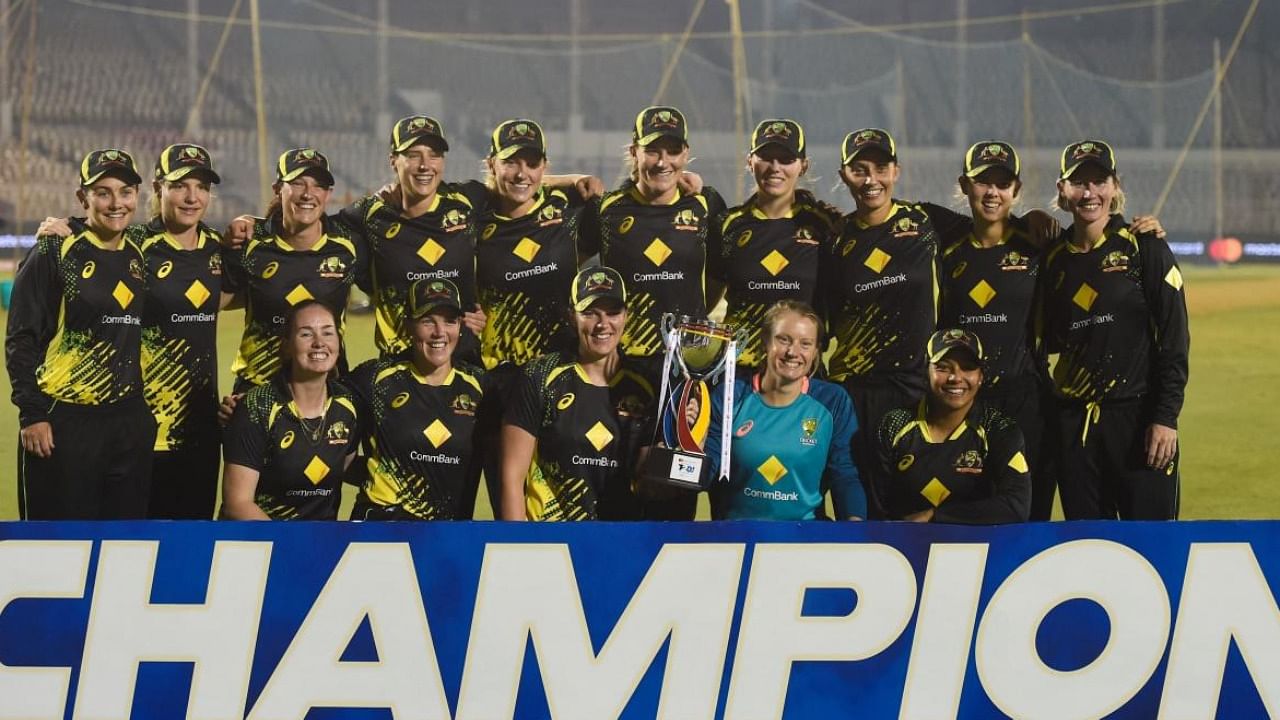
point(1116, 317)
point(879, 296)
point(990, 291)
point(274, 277)
point(763, 260)
point(587, 438)
point(179, 333)
point(300, 462)
point(977, 475)
point(524, 267)
point(439, 244)
point(420, 437)
point(75, 324)
point(660, 251)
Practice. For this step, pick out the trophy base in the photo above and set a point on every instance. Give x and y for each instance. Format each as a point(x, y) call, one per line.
point(668, 469)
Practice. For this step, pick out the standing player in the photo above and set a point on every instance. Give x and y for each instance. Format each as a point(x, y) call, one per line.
point(948, 459)
point(424, 229)
point(1111, 307)
point(988, 277)
point(292, 438)
point(771, 245)
point(73, 355)
point(526, 258)
point(879, 294)
point(297, 254)
point(577, 419)
point(419, 413)
point(655, 234)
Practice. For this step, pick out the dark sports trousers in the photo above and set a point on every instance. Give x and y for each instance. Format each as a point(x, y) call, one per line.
point(486, 447)
point(1105, 475)
point(184, 482)
point(1027, 402)
point(872, 403)
point(100, 468)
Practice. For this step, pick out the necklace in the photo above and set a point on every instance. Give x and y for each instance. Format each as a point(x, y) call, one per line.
point(314, 432)
point(313, 429)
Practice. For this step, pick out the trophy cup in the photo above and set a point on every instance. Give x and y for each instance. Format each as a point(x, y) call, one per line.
point(697, 353)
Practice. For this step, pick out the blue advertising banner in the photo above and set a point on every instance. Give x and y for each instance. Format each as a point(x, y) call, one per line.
point(599, 620)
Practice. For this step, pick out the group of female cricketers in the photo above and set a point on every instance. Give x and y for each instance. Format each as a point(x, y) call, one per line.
point(905, 360)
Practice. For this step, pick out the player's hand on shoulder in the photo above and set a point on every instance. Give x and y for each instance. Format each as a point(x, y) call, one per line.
point(227, 408)
point(589, 187)
point(690, 183)
point(54, 226)
point(1042, 227)
point(475, 320)
point(1147, 224)
point(37, 439)
point(239, 231)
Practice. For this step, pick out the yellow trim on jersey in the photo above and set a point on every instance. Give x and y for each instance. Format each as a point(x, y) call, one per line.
point(275, 412)
point(975, 242)
point(733, 215)
point(374, 207)
point(539, 200)
point(454, 195)
point(893, 212)
point(346, 403)
point(635, 195)
point(388, 372)
point(469, 379)
point(558, 371)
point(611, 199)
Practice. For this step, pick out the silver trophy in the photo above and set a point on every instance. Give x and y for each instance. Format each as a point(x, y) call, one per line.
point(698, 352)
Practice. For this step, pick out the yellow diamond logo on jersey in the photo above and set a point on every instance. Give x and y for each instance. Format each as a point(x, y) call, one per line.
point(298, 294)
point(526, 249)
point(122, 294)
point(437, 433)
point(316, 470)
point(982, 293)
point(599, 436)
point(657, 252)
point(1085, 296)
point(772, 470)
point(1174, 278)
point(774, 262)
point(197, 293)
point(1018, 462)
point(935, 492)
point(877, 260)
point(431, 251)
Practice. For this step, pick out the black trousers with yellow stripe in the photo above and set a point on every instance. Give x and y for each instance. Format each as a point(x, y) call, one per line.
point(100, 468)
point(1104, 473)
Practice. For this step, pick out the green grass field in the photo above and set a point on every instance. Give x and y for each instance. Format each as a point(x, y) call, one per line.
point(1227, 428)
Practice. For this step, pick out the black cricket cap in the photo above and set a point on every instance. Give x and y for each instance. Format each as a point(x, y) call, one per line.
point(660, 121)
point(428, 294)
point(513, 136)
point(944, 342)
point(859, 141)
point(1087, 151)
point(411, 130)
point(983, 156)
point(182, 159)
point(786, 133)
point(109, 162)
point(297, 162)
point(596, 283)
